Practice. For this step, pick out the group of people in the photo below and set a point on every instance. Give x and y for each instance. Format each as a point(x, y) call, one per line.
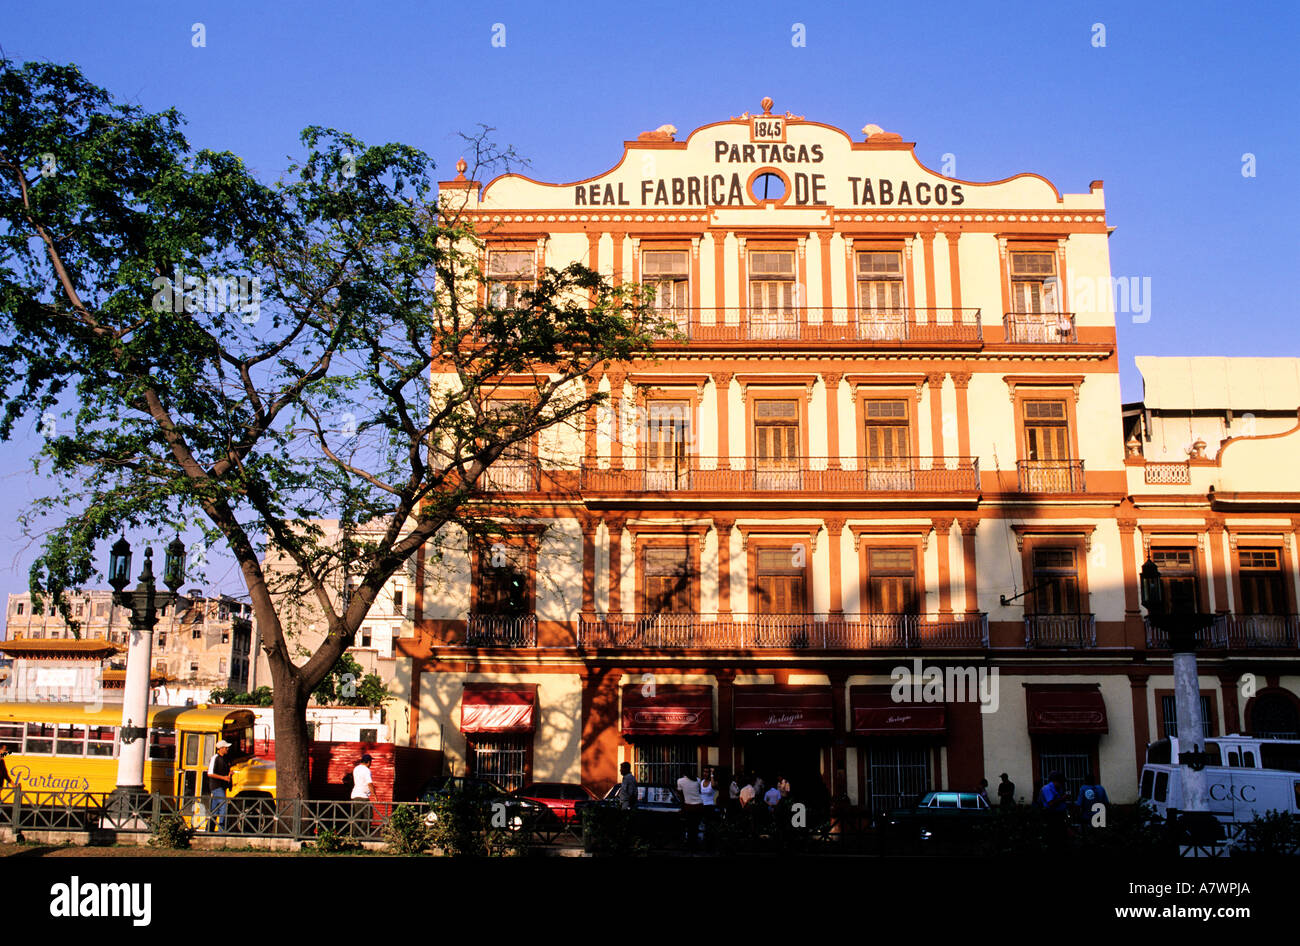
point(1053, 796)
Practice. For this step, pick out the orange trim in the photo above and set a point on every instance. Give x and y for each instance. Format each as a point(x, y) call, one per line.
point(723, 528)
point(935, 380)
point(832, 381)
point(927, 247)
point(824, 241)
point(835, 536)
point(961, 382)
point(722, 385)
point(720, 275)
point(765, 542)
point(1069, 537)
point(954, 267)
point(942, 538)
point(866, 540)
point(969, 577)
point(882, 389)
point(692, 546)
point(800, 396)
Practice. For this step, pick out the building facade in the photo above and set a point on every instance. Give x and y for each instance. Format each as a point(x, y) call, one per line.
point(887, 445)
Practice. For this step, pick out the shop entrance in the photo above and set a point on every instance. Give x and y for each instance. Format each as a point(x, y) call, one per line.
point(798, 757)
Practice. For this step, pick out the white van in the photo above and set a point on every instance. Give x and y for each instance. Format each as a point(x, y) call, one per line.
point(1246, 777)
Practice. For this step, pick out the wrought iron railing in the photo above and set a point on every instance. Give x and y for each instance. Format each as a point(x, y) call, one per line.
point(818, 324)
point(934, 475)
point(1243, 631)
point(1040, 328)
point(1060, 630)
point(667, 631)
point(1050, 476)
point(501, 630)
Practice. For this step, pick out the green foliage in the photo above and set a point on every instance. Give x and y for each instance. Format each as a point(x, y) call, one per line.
point(260, 697)
point(1273, 833)
point(170, 831)
point(460, 824)
point(314, 395)
point(345, 685)
point(331, 842)
point(406, 831)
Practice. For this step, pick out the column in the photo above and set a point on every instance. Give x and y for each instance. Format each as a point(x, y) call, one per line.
point(935, 380)
point(927, 251)
point(1141, 722)
point(828, 312)
point(722, 383)
point(615, 527)
point(723, 526)
point(592, 383)
point(600, 727)
point(617, 272)
point(839, 734)
point(834, 535)
point(850, 297)
point(954, 271)
point(589, 567)
point(832, 380)
point(726, 702)
point(741, 280)
point(1133, 628)
point(943, 539)
point(593, 258)
point(720, 278)
point(1231, 707)
point(961, 381)
point(969, 578)
point(616, 379)
point(1218, 567)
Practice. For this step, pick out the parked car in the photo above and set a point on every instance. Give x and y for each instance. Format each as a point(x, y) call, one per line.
point(561, 798)
point(938, 815)
point(518, 811)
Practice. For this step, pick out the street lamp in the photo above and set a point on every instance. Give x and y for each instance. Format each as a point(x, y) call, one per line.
point(143, 604)
point(1182, 627)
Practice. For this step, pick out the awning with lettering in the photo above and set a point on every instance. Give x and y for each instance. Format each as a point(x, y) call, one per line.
point(498, 708)
point(667, 709)
point(1055, 710)
point(783, 708)
point(876, 714)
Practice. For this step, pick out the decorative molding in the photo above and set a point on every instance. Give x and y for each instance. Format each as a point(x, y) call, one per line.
point(960, 379)
point(723, 380)
point(806, 381)
point(1053, 529)
point(912, 530)
point(968, 526)
point(935, 378)
point(832, 381)
point(943, 525)
point(767, 530)
point(641, 528)
point(1014, 381)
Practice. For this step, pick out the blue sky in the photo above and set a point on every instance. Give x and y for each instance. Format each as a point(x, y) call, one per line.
point(1163, 113)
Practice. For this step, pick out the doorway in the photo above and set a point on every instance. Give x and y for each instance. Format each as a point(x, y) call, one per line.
point(772, 755)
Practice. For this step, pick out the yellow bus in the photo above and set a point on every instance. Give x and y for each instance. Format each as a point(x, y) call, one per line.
point(72, 748)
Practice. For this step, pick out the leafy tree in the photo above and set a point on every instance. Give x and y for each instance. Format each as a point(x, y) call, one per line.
point(259, 697)
point(346, 685)
point(349, 379)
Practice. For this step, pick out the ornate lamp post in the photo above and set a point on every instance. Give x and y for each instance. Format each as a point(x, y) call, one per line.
point(1182, 627)
point(143, 602)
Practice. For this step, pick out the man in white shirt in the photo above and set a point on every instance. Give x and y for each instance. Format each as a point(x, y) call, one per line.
point(692, 805)
point(362, 779)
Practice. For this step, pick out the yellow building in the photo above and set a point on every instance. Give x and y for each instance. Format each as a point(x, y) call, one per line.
point(889, 444)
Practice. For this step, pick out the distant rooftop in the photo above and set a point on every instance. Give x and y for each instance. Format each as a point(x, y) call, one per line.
point(1218, 384)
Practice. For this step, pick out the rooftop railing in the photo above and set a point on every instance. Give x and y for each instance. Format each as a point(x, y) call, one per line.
point(667, 631)
point(818, 324)
point(931, 475)
point(1040, 328)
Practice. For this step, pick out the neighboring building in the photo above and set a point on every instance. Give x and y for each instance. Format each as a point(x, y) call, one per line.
point(892, 434)
point(304, 623)
point(202, 646)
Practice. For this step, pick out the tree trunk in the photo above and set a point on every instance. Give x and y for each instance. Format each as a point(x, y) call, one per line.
point(291, 759)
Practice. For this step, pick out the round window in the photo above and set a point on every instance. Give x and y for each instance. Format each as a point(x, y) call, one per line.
point(768, 186)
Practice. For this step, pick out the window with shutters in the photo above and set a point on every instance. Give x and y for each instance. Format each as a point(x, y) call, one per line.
point(503, 585)
point(1262, 589)
point(776, 434)
point(891, 581)
point(1034, 283)
point(510, 274)
point(772, 294)
point(668, 431)
point(1178, 578)
point(888, 442)
point(667, 272)
point(780, 580)
point(1055, 581)
point(667, 580)
point(880, 295)
point(1047, 430)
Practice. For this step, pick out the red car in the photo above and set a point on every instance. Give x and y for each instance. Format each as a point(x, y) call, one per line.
point(560, 797)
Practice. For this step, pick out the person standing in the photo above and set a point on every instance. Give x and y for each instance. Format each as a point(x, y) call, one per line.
point(218, 782)
point(984, 791)
point(627, 789)
point(747, 793)
point(773, 797)
point(4, 768)
point(692, 805)
point(1091, 794)
point(783, 786)
point(709, 789)
point(1006, 792)
point(362, 779)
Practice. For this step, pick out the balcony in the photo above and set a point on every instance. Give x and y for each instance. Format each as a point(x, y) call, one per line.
point(1167, 473)
point(1040, 328)
point(784, 631)
point(501, 630)
point(819, 325)
point(511, 476)
point(929, 475)
point(1060, 630)
point(1050, 476)
point(1240, 631)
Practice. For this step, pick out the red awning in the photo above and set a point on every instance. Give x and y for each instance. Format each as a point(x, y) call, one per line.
point(673, 709)
point(783, 708)
point(495, 707)
point(876, 714)
point(1055, 710)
